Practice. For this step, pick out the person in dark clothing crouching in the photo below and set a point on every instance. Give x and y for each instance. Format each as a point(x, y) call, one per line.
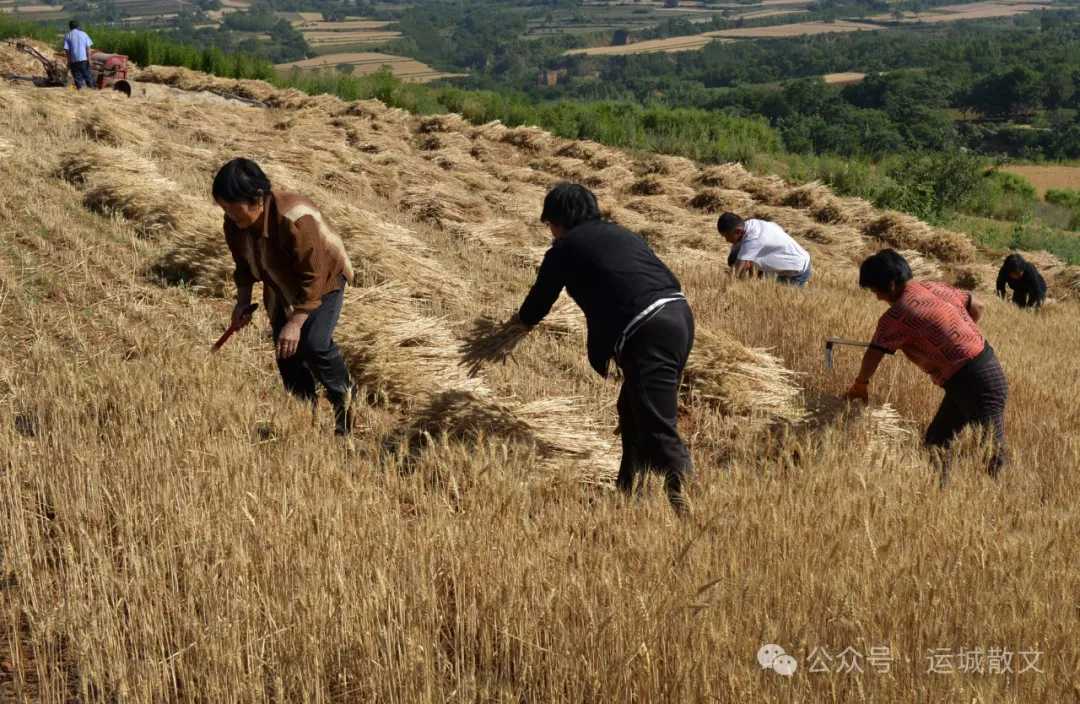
point(635, 313)
point(1027, 284)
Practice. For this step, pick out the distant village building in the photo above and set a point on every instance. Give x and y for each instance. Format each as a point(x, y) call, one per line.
point(621, 37)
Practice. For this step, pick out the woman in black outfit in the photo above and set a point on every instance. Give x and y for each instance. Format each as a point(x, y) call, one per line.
point(636, 314)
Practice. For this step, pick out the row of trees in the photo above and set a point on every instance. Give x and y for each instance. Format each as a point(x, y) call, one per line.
point(239, 32)
point(948, 87)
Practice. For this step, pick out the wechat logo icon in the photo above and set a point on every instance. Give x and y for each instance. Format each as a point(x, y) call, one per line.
point(772, 657)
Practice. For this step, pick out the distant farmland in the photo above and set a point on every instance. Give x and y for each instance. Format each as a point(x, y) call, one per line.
point(652, 46)
point(354, 34)
point(33, 12)
point(133, 11)
point(603, 17)
point(949, 13)
point(799, 29)
point(1049, 176)
point(973, 11)
point(697, 41)
point(769, 13)
point(366, 62)
point(841, 79)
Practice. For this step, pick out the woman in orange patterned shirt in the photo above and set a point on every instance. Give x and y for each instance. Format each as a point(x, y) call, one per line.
point(934, 325)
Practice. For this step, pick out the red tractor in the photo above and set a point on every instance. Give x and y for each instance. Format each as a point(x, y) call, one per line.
point(110, 71)
point(107, 70)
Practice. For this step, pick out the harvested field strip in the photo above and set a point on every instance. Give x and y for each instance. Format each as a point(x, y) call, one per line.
point(697, 41)
point(771, 13)
point(649, 46)
point(345, 26)
point(840, 79)
point(800, 29)
point(973, 11)
point(1046, 177)
point(368, 62)
point(324, 38)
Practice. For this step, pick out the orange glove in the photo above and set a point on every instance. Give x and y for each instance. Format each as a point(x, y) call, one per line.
point(859, 391)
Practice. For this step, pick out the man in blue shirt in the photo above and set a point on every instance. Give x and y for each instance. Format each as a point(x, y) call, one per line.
point(77, 45)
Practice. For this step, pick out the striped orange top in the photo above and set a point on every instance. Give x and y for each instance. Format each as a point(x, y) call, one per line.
point(931, 325)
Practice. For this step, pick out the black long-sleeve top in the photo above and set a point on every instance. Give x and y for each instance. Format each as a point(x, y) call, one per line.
point(1029, 290)
point(610, 273)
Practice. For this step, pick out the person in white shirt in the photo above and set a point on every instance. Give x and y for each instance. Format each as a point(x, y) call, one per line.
point(764, 246)
point(77, 45)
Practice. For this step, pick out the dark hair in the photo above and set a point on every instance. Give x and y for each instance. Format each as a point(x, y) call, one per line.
point(73, 24)
point(885, 271)
point(569, 205)
point(727, 223)
point(241, 181)
point(1013, 262)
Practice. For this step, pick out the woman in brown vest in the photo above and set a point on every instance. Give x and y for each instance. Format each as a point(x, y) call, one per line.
point(280, 238)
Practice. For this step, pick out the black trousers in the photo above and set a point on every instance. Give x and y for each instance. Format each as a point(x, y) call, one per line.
point(317, 358)
point(1022, 298)
point(652, 362)
point(975, 394)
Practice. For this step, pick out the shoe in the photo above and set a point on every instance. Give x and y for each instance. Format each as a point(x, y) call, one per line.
point(676, 494)
point(344, 417)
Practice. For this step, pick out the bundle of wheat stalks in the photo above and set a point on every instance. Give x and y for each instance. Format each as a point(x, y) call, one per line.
point(199, 259)
point(10, 100)
point(442, 205)
point(413, 361)
point(884, 432)
point(742, 381)
point(556, 427)
point(921, 267)
point(906, 232)
point(490, 341)
point(101, 126)
point(119, 181)
point(392, 253)
point(719, 200)
point(395, 351)
point(730, 176)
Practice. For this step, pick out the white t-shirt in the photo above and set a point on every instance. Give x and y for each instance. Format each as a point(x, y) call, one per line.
point(771, 249)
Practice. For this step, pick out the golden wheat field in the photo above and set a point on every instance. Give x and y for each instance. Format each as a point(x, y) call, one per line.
point(174, 528)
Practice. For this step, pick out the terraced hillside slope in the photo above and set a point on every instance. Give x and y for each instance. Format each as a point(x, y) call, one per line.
point(174, 528)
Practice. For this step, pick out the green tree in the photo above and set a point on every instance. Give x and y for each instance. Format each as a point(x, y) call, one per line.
point(1010, 92)
point(931, 184)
